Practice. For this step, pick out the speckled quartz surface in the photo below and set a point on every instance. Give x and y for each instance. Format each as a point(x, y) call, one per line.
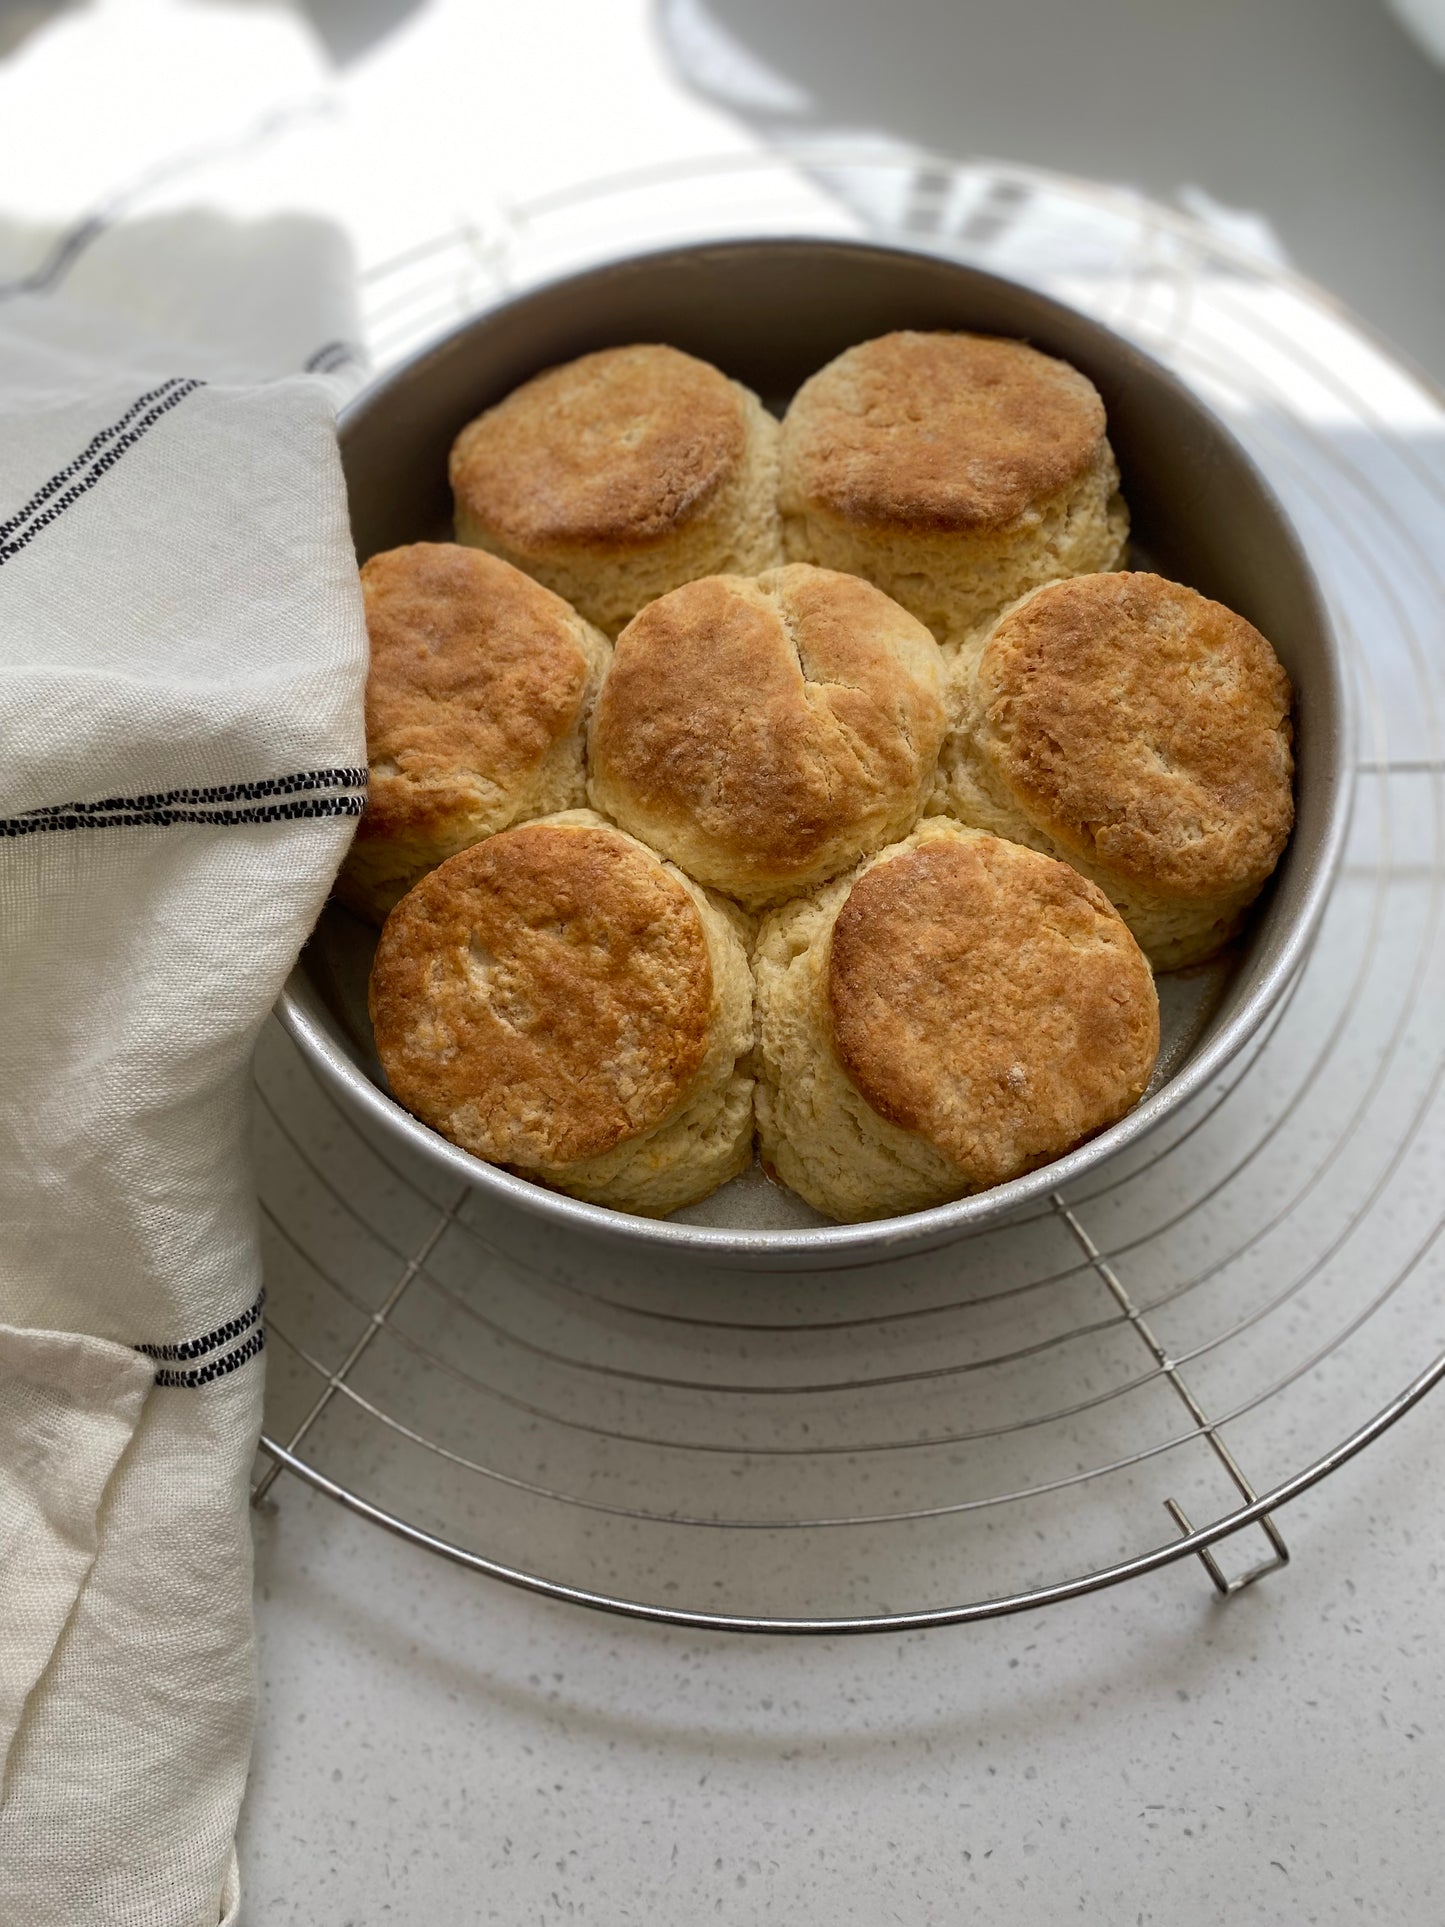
point(434, 1747)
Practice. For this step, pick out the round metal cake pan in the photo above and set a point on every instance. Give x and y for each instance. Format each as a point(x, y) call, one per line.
point(771, 312)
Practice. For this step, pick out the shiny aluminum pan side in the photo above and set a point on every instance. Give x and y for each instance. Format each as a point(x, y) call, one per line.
point(770, 312)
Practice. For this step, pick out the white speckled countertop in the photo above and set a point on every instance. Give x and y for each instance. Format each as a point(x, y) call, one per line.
point(435, 1748)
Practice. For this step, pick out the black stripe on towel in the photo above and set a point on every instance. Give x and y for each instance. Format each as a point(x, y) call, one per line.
point(218, 1367)
point(116, 440)
point(172, 1369)
point(198, 1347)
point(297, 809)
point(88, 453)
point(67, 250)
point(332, 355)
point(309, 779)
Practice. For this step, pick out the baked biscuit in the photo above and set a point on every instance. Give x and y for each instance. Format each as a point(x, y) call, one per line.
point(477, 700)
point(1140, 732)
point(616, 477)
point(958, 1012)
point(559, 1000)
point(956, 471)
point(766, 733)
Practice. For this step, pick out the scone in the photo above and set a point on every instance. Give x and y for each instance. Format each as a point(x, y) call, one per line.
point(959, 1012)
point(767, 733)
point(956, 471)
point(477, 701)
point(616, 477)
point(1140, 732)
point(559, 1000)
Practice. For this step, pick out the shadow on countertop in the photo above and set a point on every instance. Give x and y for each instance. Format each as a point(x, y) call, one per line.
point(1321, 114)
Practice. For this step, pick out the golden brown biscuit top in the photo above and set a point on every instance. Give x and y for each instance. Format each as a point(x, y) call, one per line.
point(1144, 728)
point(938, 432)
point(770, 713)
point(545, 995)
point(476, 671)
point(617, 449)
point(990, 1000)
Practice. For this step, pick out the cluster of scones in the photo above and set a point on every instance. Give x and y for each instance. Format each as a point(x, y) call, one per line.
point(824, 783)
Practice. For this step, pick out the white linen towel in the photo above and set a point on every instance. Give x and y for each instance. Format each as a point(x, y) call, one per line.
point(182, 657)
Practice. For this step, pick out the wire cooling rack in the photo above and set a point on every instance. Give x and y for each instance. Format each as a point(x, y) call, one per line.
point(1150, 1367)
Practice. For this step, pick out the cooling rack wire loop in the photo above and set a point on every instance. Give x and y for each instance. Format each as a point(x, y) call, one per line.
point(996, 1427)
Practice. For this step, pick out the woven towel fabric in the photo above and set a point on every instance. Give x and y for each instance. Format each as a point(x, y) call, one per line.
point(182, 657)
